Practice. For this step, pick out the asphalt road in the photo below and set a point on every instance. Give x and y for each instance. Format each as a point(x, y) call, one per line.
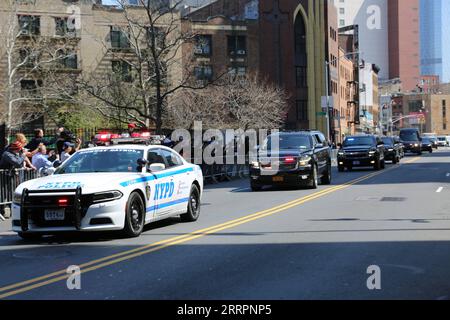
point(275, 244)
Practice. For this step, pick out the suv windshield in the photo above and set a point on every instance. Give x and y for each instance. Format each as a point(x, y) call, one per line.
point(388, 141)
point(409, 136)
point(358, 141)
point(288, 141)
point(102, 160)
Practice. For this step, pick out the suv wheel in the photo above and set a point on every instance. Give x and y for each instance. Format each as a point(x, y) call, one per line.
point(314, 180)
point(383, 164)
point(326, 178)
point(377, 165)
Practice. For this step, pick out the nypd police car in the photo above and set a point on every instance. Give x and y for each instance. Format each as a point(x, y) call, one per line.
point(119, 187)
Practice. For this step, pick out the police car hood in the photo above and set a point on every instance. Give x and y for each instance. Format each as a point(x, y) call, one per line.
point(89, 182)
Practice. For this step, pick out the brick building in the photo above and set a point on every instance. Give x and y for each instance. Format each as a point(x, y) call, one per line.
point(286, 41)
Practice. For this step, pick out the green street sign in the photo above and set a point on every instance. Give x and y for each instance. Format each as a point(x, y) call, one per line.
point(321, 114)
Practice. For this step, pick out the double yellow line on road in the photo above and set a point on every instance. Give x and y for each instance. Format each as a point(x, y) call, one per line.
point(60, 275)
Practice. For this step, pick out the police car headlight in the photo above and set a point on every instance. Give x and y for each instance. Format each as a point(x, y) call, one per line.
point(17, 198)
point(106, 196)
point(304, 161)
point(390, 149)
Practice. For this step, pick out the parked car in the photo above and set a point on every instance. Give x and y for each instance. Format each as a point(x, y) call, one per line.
point(412, 140)
point(361, 151)
point(300, 159)
point(392, 150)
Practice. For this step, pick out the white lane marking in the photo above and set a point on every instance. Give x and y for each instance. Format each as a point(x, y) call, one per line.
point(439, 190)
point(241, 189)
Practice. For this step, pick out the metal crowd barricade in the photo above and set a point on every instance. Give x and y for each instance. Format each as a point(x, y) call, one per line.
point(225, 172)
point(9, 180)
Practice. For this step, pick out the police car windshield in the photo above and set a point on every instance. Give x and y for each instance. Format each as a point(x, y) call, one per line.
point(102, 160)
point(287, 142)
point(358, 141)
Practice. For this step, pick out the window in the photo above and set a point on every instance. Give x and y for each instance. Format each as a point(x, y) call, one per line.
point(203, 72)
point(30, 87)
point(302, 110)
point(28, 57)
point(159, 37)
point(30, 25)
point(62, 27)
point(203, 45)
point(301, 77)
point(67, 59)
point(444, 109)
point(122, 69)
point(119, 39)
point(237, 45)
point(172, 159)
point(237, 71)
point(342, 22)
point(155, 156)
point(342, 10)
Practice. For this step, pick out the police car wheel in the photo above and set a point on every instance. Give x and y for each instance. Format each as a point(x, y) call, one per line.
point(135, 216)
point(314, 180)
point(193, 206)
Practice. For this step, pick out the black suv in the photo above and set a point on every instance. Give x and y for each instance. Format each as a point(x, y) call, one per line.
point(392, 150)
point(292, 159)
point(361, 151)
point(411, 140)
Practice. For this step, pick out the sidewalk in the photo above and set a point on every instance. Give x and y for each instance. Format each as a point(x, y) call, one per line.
point(5, 226)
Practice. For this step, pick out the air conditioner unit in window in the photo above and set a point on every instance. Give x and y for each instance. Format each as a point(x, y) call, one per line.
point(198, 51)
point(241, 52)
point(25, 32)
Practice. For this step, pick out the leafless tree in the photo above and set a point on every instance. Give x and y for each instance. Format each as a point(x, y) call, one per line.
point(29, 61)
point(237, 102)
point(151, 64)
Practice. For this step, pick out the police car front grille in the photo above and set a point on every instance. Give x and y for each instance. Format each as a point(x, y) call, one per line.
point(35, 207)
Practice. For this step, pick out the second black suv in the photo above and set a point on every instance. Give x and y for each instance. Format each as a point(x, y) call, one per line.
point(411, 140)
point(392, 150)
point(292, 159)
point(361, 151)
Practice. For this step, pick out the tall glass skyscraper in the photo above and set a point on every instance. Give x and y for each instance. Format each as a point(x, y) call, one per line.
point(435, 38)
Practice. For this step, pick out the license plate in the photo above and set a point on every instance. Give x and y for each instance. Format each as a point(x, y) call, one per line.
point(356, 163)
point(54, 215)
point(277, 179)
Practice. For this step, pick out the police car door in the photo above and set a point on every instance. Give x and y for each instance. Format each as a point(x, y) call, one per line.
point(156, 191)
point(178, 185)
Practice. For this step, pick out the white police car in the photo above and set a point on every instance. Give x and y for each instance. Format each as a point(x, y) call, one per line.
point(109, 188)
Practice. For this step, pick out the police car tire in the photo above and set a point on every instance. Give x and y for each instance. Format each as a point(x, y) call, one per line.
point(128, 229)
point(326, 178)
point(193, 208)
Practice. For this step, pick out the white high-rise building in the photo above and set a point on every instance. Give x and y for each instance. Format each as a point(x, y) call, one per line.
point(372, 18)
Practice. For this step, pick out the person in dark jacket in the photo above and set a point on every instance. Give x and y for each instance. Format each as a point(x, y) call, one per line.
point(39, 139)
point(13, 157)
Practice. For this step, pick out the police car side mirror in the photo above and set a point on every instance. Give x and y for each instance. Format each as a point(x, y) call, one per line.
point(156, 167)
point(142, 162)
point(56, 164)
